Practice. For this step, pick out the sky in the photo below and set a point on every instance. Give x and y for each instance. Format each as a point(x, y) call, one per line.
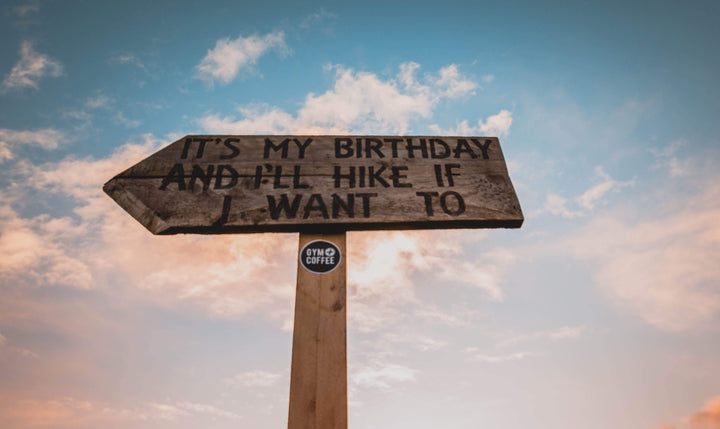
point(603, 310)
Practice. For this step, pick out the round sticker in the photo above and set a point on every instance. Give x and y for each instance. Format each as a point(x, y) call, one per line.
point(320, 256)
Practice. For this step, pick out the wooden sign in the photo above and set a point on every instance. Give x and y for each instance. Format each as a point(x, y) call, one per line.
point(320, 186)
point(217, 184)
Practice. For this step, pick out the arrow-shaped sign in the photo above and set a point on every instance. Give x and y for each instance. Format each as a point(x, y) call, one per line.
point(217, 184)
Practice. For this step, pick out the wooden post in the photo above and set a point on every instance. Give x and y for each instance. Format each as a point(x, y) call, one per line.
point(318, 378)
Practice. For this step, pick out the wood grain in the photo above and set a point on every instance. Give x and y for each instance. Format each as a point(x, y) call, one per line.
point(318, 378)
point(200, 184)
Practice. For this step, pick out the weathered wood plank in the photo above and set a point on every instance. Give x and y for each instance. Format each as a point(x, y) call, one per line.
point(230, 184)
point(318, 378)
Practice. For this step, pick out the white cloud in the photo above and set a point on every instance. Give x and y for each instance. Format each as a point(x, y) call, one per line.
point(33, 249)
point(666, 158)
point(127, 59)
point(359, 102)
point(99, 101)
point(31, 68)
point(205, 409)
point(385, 262)
point(562, 333)
point(229, 57)
point(72, 412)
point(316, 18)
point(382, 376)
point(558, 205)
point(497, 125)
point(451, 84)
point(5, 152)
point(257, 378)
point(63, 412)
point(482, 357)
point(596, 192)
point(130, 123)
point(47, 138)
point(662, 267)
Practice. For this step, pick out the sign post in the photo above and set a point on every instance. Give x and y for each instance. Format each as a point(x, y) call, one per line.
point(321, 187)
point(318, 377)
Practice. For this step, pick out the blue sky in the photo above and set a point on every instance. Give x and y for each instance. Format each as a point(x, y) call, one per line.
point(602, 311)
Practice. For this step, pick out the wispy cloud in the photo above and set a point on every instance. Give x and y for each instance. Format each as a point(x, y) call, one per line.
point(127, 59)
point(475, 354)
point(32, 67)
point(667, 158)
point(257, 378)
point(99, 101)
point(26, 9)
point(316, 18)
point(604, 184)
point(562, 333)
point(122, 120)
point(383, 376)
point(663, 265)
point(46, 138)
point(495, 125)
point(68, 411)
point(178, 410)
point(230, 57)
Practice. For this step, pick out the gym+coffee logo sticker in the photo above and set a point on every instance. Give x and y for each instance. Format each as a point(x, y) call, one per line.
point(320, 256)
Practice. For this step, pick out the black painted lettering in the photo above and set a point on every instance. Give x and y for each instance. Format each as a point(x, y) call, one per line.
point(433, 151)
point(347, 206)
point(219, 177)
point(358, 147)
point(463, 147)
point(343, 147)
point(284, 205)
point(373, 145)
point(201, 146)
point(296, 179)
point(483, 147)
point(315, 203)
point(225, 211)
point(186, 148)
point(282, 147)
point(375, 176)
point(396, 176)
point(199, 173)
point(234, 150)
point(338, 176)
point(458, 198)
point(277, 182)
point(438, 175)
point(412, 147)
point(366, 202)
point(175, 175)
point(361, 176)
point(200, 149)
point(449, 173)
point(428, 201)
point(393, 144)
point(258, 176)
point(302, 147)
